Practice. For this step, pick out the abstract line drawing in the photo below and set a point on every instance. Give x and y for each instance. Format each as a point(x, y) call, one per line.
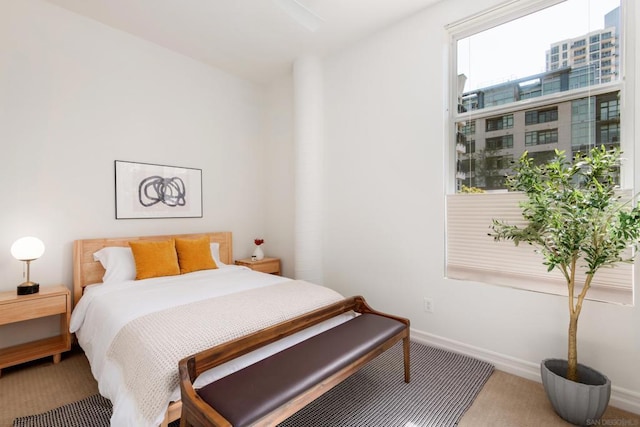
point(145, 190)
point(156, 189)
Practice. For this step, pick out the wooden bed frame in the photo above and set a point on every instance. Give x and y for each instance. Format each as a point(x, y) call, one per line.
point(86, 272)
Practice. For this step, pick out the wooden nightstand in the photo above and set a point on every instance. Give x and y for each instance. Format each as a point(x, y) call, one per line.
point(50, 301)
point(265, 265)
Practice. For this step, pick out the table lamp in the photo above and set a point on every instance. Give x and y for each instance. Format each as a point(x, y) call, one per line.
point(27, 249)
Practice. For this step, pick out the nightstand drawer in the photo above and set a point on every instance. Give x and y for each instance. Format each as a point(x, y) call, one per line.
point(31, 309)
point(267, 267)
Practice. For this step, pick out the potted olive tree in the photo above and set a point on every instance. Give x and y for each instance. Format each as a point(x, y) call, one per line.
point(574, 218)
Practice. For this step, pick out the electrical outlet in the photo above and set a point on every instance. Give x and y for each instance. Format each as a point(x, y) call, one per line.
point(428, 305)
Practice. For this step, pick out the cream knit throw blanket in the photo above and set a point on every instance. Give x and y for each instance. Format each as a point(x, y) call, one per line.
point(149, 348)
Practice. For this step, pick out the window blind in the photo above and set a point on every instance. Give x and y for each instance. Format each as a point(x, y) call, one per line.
point(473, 255)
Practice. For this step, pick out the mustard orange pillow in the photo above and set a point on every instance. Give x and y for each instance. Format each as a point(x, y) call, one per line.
point(155, 258)
point(194, 255)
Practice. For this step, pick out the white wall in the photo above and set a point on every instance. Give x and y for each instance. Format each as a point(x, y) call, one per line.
point(76, 95)
point(385, 226)
point(279, 173)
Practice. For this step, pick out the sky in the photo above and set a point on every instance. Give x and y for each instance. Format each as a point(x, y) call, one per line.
point(517, 49)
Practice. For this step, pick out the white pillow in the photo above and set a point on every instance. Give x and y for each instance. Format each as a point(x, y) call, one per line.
point(215, 253)
point(118, 264)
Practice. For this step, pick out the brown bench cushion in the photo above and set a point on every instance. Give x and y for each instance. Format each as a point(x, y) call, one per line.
point(250, 393)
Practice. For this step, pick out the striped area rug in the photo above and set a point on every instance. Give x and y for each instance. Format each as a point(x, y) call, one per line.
point(443, 386)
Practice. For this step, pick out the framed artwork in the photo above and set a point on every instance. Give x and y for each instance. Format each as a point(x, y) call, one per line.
point(146, 190)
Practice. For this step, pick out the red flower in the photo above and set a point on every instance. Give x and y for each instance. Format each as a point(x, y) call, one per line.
point(258, 242)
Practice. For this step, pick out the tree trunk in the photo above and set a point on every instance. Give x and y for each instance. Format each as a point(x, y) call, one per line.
point(572, 358)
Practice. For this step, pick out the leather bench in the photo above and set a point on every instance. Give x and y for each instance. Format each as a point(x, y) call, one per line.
point(274, 388)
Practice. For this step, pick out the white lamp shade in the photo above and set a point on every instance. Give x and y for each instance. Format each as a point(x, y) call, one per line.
point(27, 248)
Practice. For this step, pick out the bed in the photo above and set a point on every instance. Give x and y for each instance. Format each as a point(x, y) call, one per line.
point(134, 332)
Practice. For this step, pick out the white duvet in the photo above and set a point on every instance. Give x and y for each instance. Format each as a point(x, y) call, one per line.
point(105, 309)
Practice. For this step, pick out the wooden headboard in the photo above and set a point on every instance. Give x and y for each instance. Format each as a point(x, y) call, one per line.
point(86, 271)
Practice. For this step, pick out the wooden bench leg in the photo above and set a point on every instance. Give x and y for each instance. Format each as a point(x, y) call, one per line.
point(165, 422)
point(405, 346)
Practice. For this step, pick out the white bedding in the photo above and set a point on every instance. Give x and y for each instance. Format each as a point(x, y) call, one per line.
point(105, 309)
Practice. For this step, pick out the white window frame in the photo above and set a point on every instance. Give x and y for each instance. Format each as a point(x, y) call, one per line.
point(472, 255)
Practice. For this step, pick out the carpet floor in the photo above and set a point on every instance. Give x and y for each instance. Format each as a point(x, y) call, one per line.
point(443, 386)
point(505, 400)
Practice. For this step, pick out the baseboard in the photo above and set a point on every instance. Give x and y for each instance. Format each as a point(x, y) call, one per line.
point(622, 398)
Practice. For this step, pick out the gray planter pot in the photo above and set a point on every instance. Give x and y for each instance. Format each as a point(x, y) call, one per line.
point(577, 402)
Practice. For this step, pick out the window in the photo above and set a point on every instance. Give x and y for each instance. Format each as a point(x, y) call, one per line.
point(470, 146)
point(498, 163)
point(514, 106)
point(540, 137)
point(468, 128)
point(540, 157)
point(504, 122)
point(541, 116)
point(610, 110)
point(467, 165)
point(500, 142)
point(609, 134)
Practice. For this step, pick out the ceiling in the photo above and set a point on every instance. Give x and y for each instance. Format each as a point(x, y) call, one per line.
point(255, 39)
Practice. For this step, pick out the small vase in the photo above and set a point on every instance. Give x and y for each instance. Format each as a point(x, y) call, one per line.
point(258, 254)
